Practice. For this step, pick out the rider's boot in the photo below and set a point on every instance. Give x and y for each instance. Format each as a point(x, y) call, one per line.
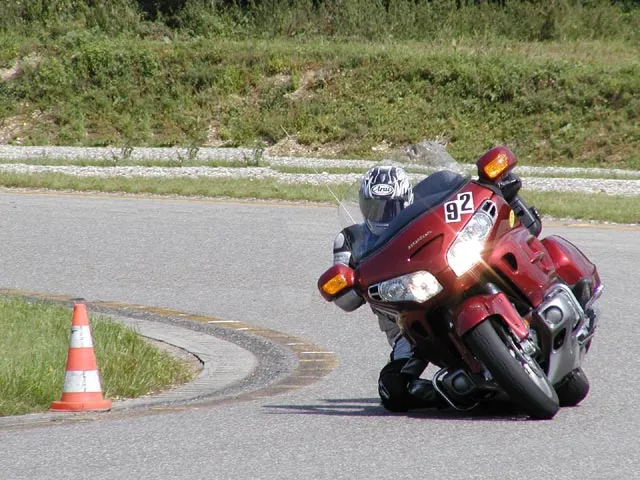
point(402, 389)
point(423, 395)
point(392, 386)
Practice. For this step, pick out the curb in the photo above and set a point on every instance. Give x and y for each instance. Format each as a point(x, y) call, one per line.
point(240, 362)
point(223, 363)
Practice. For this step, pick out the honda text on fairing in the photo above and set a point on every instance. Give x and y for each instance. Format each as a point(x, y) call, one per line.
point(478, 294)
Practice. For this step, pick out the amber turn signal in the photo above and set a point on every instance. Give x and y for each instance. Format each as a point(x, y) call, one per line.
point(335, 280)
point(496, 167)
point(495, 163)
point(335, 284)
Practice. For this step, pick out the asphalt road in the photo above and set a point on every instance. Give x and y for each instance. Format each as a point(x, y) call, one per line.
point(258, 263)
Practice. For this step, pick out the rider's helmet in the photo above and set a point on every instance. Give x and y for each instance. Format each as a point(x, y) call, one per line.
point(384, 192)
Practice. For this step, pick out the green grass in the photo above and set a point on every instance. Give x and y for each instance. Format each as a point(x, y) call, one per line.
point(313, 19)
point(603, 208)
point(266, 189)
point(557, 81)
point(557, 204)
point(565, 104)
point(34, 346)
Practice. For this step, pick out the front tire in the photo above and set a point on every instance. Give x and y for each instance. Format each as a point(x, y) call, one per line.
point(573, 388)
point(518, 375)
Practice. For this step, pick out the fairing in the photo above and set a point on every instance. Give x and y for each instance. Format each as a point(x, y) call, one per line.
point(570, 263)
point(521, 259)
point(420, 241)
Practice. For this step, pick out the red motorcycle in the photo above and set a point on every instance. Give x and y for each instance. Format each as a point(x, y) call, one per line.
point(478, 294)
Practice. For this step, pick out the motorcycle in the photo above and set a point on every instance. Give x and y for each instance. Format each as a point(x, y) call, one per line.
point(465, 275)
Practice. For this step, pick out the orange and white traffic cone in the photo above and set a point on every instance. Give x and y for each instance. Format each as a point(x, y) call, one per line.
point(82, 389)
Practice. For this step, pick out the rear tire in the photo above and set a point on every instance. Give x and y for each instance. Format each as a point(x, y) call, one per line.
point(573, 388)
point(518, 375)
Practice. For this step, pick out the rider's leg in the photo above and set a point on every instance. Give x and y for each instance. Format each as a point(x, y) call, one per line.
point(400, 386)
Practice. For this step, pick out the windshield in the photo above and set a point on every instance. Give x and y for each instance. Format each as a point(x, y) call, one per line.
point(419, 161)
point(435, 176)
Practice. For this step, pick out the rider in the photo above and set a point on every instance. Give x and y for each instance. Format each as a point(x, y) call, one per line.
point(384, 192)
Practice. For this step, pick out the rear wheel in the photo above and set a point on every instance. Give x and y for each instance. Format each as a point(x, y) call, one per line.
point(573, 388)
point(516, 372)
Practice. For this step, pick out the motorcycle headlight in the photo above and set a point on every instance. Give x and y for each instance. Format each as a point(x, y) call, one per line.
point(466, 250)
point(417, 287)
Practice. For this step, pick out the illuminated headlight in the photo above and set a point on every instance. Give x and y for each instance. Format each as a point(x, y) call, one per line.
point(416, 287)
point(467, 248)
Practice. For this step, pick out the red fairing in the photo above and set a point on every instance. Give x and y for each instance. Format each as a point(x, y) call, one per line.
point(523, 259)
point(570, 263)
point(480, 307)
point(422, 245)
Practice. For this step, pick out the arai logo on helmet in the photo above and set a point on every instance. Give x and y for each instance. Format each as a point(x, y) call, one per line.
point(382, 190)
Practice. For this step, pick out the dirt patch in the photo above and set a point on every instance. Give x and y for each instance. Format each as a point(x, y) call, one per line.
point(213, 139)
point(281, 79)
point(7, 74)
point(309, 81)
point(11, 127)
point(288, 146)
point(14, 129)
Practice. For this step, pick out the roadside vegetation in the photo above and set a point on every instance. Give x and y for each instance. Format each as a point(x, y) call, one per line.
point(34, 346)
point(558, 204)
point(558, 81)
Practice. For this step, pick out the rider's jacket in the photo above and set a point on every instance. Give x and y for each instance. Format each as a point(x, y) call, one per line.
point(348, 247)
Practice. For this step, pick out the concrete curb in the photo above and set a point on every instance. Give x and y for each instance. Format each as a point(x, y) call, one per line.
point(223, 363)
point(240, 362)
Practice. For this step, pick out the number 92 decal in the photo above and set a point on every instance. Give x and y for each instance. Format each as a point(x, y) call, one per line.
point(454, 209)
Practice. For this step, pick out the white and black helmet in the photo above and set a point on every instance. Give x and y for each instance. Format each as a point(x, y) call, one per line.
point(384, 192)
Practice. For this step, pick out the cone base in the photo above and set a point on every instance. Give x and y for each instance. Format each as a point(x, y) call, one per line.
point(90, 406)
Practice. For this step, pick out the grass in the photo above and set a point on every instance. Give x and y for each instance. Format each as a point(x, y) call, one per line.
point(321, 19)
point(267, 189)
point(557, 81)
point(603, 208)
point(34, 346)
point(557, 204)
point(555, 104)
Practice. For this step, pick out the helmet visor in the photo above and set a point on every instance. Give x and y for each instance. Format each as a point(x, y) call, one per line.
point(379, 210)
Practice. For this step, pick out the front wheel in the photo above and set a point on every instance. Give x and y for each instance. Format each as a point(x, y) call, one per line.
point(516, 372)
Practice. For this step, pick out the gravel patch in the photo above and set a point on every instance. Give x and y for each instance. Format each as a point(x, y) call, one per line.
point(626, 183)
